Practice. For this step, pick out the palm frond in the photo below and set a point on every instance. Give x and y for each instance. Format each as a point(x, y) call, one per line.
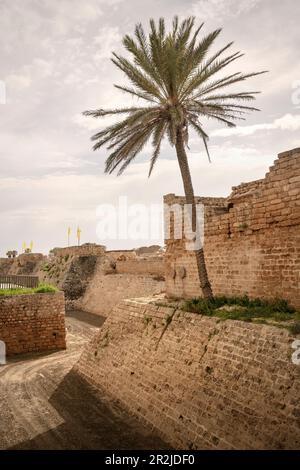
point(226, 81)
point(197, 127)
point(107, 112)
point(205, 73)
point(180, 80)
point(157, 139)
point(244, 96)
point(128, 150)
point(141, 81)
point(138, 94)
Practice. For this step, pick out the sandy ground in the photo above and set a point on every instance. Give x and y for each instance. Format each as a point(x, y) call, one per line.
point(44, 405)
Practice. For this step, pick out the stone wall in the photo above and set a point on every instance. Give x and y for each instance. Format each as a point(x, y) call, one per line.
point(92, 278)
point(93, 282)
point(114, 281)
point(24, 264)
point(152, 265)
point(5, 265)
point(202, 384)
point(32, 322)
point(28, 263)
point(87, 249)
point(78, 275)
point(121, 254)
point(251, 239)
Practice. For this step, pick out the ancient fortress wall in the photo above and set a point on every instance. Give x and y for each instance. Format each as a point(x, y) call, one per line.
point(121, 254)
point(153, 265)
point(32, 322)
point(88, 249)
point(92, 278)
point(5, 265)
point(201, 383)
point(252, 239)
point(114, 281)
point(23, 264)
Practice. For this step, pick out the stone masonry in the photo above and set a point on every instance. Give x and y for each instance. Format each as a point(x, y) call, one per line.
point(32, 322)
point(199, 382)
point(251, 239)
point(86, 249)
point(121, 277)
point(92, 278)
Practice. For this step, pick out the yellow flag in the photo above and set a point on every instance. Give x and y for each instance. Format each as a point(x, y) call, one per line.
point(31, 245)
point(78, 234)
point(69, 233)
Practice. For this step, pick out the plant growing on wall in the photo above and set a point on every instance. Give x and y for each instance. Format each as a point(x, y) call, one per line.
point(173, 74)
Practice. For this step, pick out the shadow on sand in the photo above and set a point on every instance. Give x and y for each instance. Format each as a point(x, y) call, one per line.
point(91, 421)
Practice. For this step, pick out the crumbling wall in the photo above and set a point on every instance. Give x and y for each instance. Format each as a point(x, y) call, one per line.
point(251, 239)
point(121, 254)
point(87, 249)
point(78, 276)
point(201, 383)
point(93, 282)
point(5, 265)
point(25, 263)
point(151, 265)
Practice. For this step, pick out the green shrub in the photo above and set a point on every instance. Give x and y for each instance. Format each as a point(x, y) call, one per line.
point(41, 289)
point(44, 288)
point(242, 308)
point(16, 291)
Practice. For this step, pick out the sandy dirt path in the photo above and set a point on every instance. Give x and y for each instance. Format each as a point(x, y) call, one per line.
point(44, 405)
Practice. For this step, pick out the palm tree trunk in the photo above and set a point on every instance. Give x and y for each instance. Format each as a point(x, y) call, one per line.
point(190, 199)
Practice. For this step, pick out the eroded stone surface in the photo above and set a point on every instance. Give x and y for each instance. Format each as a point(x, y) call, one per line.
point(201, 382)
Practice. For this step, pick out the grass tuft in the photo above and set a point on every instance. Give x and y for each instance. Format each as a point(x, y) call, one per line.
point(243, 308)
point(41, 289)
point(45, 288)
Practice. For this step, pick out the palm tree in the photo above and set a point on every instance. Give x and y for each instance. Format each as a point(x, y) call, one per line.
point(173, 75)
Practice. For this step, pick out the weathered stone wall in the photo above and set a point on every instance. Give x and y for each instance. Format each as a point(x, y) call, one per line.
point(121, 254)
point(78, 276)
point(28, 263)
point(153, 265)
point(5, 265)
point(114, 281)
point(32, 322)
point(93, 282)
point(251, 239)
point(82, 250)
point(202, 384)
point(25, 263)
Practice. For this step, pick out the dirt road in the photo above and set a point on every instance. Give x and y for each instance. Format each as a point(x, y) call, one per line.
point(44, 405)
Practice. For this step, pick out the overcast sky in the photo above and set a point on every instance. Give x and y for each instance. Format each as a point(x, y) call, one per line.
point(55, 63)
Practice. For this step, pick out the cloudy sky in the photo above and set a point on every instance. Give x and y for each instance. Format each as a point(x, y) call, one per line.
point(55, 63)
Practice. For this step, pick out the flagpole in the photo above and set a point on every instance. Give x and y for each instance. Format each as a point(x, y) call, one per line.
point(78, 234)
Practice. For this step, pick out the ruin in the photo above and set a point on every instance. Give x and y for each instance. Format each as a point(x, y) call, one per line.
point(197, 382)
point(94, 279)
point(251, 246)
point(202, 383)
